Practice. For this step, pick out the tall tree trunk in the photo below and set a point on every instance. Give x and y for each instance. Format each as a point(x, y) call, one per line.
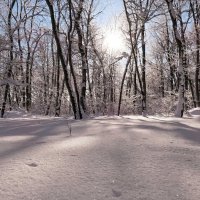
point(23, 89)
point(70, 34)
point(28, 86)
point(195, 8)
point(57, 112)
point(134, 42)
point(9, 72)
point(83, 54)
point(122, 83)
point(144, 106)
point(169, 58)
point(197, 90)
point(77, 112)
point(181, 75)
point(88, 38)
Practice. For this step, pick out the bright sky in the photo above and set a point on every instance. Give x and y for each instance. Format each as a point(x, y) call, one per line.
point(110, 23)
point(111, 9)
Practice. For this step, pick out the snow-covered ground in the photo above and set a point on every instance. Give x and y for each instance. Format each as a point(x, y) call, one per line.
point(125, 158)
point(195, 112)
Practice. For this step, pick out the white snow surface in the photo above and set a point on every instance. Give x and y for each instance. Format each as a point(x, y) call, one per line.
point(195, 111)
point(105, 158)
point(21, 114)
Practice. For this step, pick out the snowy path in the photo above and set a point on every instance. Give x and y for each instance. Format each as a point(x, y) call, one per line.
point(104, 159)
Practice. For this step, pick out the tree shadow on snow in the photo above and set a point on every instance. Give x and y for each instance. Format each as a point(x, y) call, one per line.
point(37, 132)
point(19, 136)
point(175, 128)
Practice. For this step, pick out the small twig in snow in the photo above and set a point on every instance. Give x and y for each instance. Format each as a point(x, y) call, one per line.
point(69, 128)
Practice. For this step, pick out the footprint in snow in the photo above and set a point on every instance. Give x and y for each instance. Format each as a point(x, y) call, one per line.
point(32, 164)
point(40, 142)
point(116, 193)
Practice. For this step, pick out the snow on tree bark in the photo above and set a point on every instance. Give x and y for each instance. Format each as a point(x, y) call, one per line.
point(181, 93)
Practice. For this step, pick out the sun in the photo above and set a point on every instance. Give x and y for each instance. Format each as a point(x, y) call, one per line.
point(113, 41)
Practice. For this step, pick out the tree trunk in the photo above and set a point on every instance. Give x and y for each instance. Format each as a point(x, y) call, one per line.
point(196, 17)
point(83, 55)
point(9, 72)
point(181, 75)
point(144, 107)
point(122, 84)
point(77, 112)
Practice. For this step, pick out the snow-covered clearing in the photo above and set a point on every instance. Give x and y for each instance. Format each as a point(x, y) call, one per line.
point(126, 158)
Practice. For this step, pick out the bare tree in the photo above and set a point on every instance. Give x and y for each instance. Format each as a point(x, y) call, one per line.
point(74, 102)
point(11, 57)
point(181, 51)
point(195, 8)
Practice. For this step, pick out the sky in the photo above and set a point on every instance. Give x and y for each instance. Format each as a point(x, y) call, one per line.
point(110, 9)
point(109, 21)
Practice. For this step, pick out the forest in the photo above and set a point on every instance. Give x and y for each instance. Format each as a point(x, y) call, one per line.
point(54, 61)
point(100, 100)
